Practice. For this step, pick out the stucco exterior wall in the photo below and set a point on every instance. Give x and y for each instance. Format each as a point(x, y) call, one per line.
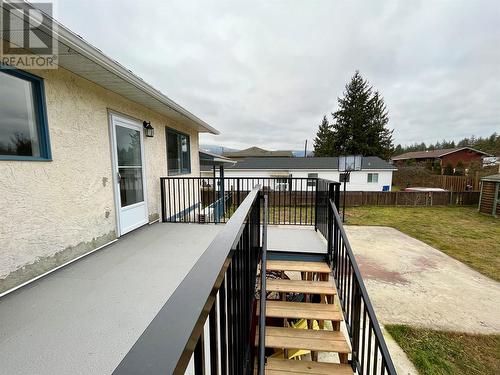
point(54, 211)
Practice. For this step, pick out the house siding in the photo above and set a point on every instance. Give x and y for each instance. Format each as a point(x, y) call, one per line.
point(358, 180)
point(467, 157)
point(60, 209)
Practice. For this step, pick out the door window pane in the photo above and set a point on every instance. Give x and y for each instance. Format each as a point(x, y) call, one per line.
point(128, 142)
point(19, 122)
point(131, 186)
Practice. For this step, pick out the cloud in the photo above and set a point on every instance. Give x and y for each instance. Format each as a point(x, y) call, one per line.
point(265, 72)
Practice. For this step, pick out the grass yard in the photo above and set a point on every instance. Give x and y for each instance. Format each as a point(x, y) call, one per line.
point(460, 232)
point(440, 353)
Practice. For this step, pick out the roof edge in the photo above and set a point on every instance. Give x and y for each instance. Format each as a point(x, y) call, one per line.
point(80, 45)
point(398, 157)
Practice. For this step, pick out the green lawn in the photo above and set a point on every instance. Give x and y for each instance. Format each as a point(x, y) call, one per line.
point(460, 232)
point(440, 353)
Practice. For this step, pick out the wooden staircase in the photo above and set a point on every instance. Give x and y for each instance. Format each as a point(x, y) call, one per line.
point(296, 331)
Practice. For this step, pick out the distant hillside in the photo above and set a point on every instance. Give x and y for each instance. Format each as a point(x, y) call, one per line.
point(215, 149)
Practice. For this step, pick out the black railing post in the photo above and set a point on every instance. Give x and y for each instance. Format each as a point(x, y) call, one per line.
point(262, 317)
point(163, 203)
point(316, 205)
point(337, 196)
point(238, 196)
point(355, 325)
point(331, 195)
point(214, 204)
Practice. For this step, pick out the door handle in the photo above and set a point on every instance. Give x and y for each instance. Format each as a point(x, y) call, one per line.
point(118, 177)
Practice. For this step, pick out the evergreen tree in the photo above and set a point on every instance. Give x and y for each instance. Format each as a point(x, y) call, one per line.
point(360, 122)
point(323, 145)
point(448, 170)
point(489, 144)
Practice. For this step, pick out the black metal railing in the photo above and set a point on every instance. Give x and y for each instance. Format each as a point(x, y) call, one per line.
point(220, 290)
point(263, 293)
point(214, 200)
point(369, 350)
point(325, 191)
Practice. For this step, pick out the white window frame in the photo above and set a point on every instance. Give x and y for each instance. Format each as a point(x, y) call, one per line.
point(370, 180)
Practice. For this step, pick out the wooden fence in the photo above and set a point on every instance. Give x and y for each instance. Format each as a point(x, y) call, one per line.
point(411, 198)
point(457, 183)
point(408, 177)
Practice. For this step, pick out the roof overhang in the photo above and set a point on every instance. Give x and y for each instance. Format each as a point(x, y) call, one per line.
point(207, 158)
point(85, 60)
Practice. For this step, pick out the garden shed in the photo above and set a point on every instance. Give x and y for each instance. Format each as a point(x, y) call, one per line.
point(489, 201)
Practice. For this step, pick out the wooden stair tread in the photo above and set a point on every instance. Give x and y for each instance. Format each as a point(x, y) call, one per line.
point(301, 286)
point(303, 310)
point(298, 266)
point(275, 366)
point(306, 339)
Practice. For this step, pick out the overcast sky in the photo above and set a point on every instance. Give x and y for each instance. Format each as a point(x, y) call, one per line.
point(265, 72)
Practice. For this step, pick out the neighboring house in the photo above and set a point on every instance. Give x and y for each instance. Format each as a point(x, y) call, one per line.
point(375, 174)
point(489, 202)
point(256, 152)
point(77, 170)
point(441, 158)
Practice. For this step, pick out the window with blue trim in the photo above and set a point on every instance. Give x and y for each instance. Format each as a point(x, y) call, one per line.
point(178, 152)
point(23, 121)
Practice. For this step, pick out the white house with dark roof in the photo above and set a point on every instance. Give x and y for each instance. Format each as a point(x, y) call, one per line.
point(375, 173)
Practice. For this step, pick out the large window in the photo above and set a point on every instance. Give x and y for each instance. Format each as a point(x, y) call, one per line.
point(178, 153)
point(23, 122)
point(344, 177)
point(372, 177)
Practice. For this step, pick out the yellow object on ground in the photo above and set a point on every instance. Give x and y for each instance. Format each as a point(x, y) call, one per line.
point(296, 354)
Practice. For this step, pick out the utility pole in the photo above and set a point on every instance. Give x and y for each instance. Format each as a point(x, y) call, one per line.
point(305, 149)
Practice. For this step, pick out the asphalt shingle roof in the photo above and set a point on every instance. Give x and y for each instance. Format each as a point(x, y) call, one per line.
point(493, 177)
point(433, 153)
point(273, 163)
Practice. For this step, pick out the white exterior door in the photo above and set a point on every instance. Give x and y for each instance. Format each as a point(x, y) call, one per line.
point(129, 173)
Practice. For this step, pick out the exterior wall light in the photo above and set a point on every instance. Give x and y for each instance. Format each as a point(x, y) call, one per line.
point(148, 129)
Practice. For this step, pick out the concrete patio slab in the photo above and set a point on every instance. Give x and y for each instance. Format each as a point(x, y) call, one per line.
point(412, 283)
point(83, 318)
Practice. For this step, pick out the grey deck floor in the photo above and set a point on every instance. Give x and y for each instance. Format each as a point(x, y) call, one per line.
point(85, 317)
point(295, 238)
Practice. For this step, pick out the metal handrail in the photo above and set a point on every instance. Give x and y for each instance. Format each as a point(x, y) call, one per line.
point(263, 293)
point(168, 343)
point(192, 199)
point(363, 294)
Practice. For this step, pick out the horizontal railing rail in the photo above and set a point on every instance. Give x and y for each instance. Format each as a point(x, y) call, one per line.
point(217, 296)
point(369, 350)
point(292, 200)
